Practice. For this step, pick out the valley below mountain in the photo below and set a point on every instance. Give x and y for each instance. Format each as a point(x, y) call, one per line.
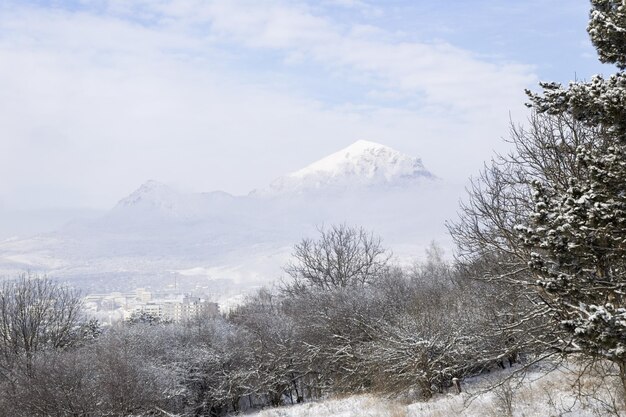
point(228, 245)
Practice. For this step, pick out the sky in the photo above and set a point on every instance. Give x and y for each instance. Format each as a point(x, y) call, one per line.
point(100, 96)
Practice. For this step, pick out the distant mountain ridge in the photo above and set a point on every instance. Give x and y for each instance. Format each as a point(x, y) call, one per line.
point(151, 192)
point(154, 201)
point(362, 164)
point(229, 243)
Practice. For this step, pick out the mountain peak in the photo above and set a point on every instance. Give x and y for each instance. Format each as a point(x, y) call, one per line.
point(151, 193)
point(362, 164)
point(362, 145)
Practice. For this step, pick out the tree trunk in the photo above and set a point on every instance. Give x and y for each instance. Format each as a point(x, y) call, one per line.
point(457, 385)
point(622, 376)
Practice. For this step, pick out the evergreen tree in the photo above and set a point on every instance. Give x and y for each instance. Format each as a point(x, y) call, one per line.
point(547, 223)
point(576, 232)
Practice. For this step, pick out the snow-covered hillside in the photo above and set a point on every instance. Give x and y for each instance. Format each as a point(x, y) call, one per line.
point(541, 393)
point(158, 234)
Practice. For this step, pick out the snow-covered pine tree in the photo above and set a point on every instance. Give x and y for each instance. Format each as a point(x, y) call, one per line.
point(576, 233)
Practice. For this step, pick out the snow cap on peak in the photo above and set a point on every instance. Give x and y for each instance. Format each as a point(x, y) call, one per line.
point(362, 144)
point(363, 163)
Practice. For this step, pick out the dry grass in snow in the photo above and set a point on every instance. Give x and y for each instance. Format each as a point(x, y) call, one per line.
point(558, 393)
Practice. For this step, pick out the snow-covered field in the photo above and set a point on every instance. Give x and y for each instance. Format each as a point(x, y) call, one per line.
point(538, 394)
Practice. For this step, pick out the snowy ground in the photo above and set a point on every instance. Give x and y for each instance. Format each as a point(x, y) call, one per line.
point(537, 395)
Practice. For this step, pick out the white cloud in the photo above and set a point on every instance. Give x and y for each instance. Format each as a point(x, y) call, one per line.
point(98, 100)
point(445, 74)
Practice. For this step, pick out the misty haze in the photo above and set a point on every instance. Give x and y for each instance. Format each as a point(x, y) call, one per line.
point(294, 208)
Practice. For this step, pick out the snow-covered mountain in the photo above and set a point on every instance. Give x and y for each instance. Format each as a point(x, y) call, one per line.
point(153, 198)
point(158, 234)
point(152, 194)
point(362, 164)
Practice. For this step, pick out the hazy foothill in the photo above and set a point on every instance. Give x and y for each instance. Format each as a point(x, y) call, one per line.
point(526, 318)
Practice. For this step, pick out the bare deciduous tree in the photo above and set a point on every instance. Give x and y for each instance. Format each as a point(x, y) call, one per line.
point(342, 257)
point(35, 313)
point(550, 216)
point(490, 247)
